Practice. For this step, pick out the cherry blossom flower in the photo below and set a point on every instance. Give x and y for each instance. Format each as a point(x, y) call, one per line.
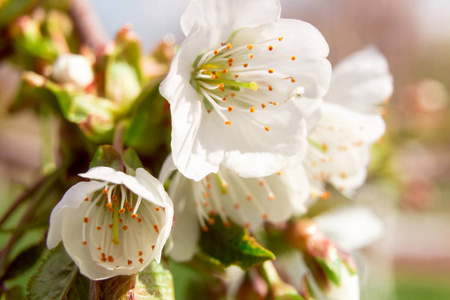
point(230, 87)
point(247, 202)
point(114, 224)
point(339, 147)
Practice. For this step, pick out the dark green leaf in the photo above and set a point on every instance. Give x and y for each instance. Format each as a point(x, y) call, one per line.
point(107, 156)
point(24, 261)
point(58, 278)
point(233, 245)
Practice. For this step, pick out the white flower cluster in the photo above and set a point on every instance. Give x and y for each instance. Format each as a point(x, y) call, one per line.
point(259, 126)
point(255, 133)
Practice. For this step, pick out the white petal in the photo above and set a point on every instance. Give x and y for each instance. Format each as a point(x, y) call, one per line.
point(348, 288)
point(310, 68)
point(72, 198)
point(250, 150)
point(186, 230)
point(347, 137)
point(117, 177)
point(71, 230)
point(167, 168)
point(298, 186)
point(221, 18)
point(292, 266)
point(189, 155)
point(157, 189)
point(311, 110)
point(351, 227)
point(361, 81)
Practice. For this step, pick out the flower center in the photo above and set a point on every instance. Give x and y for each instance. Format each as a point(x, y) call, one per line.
point(231, 78)
point(245, 201)
point(113, 223)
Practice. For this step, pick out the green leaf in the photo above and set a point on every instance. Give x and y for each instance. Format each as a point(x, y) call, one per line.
point(128, 49)
point(95, 116)
point(332, 266)
point(197, 278)
point(24, 261)
point(233, 245)
point(149, 129)
point(12, 9)
point(107, 156)
point(154, 282)
point(14, 293)
point(58, 278)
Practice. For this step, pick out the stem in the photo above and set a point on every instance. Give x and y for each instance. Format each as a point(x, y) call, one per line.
point(87, 25)
point(22, 197)
point(41, 192)
point(117, 288)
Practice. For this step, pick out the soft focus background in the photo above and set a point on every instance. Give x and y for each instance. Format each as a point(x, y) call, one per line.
point(409, 183)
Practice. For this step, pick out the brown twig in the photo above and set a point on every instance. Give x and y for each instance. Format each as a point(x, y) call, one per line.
point(87, 24)
point(22, 197)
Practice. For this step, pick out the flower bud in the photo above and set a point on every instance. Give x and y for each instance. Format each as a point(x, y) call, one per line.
point(333, 270)
point(74, 69)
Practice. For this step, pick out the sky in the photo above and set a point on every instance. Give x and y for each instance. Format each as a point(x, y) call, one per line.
point(153, 19)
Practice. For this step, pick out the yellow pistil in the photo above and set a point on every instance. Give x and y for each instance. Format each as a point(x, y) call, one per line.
point(115, 228)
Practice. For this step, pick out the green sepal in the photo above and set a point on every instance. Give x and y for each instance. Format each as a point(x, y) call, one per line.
point(23, 262)
point(154, 282)
point(107, 156)
point(279, 289)
point(123, 70)
point(233, 245)
point(131, 160)
point(332, 265)
point(29, 40)
point(58, 278)
point(122, 84)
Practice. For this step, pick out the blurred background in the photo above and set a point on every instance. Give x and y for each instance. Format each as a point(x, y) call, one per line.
point(409, 182)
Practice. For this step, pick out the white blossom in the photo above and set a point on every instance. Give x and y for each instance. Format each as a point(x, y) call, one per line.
point(247, 202)
point(230, 86)
point(350, 123)
point(114, 224)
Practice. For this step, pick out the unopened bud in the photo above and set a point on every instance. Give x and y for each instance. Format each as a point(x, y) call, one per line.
point(333, 270)
point(72, 68)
